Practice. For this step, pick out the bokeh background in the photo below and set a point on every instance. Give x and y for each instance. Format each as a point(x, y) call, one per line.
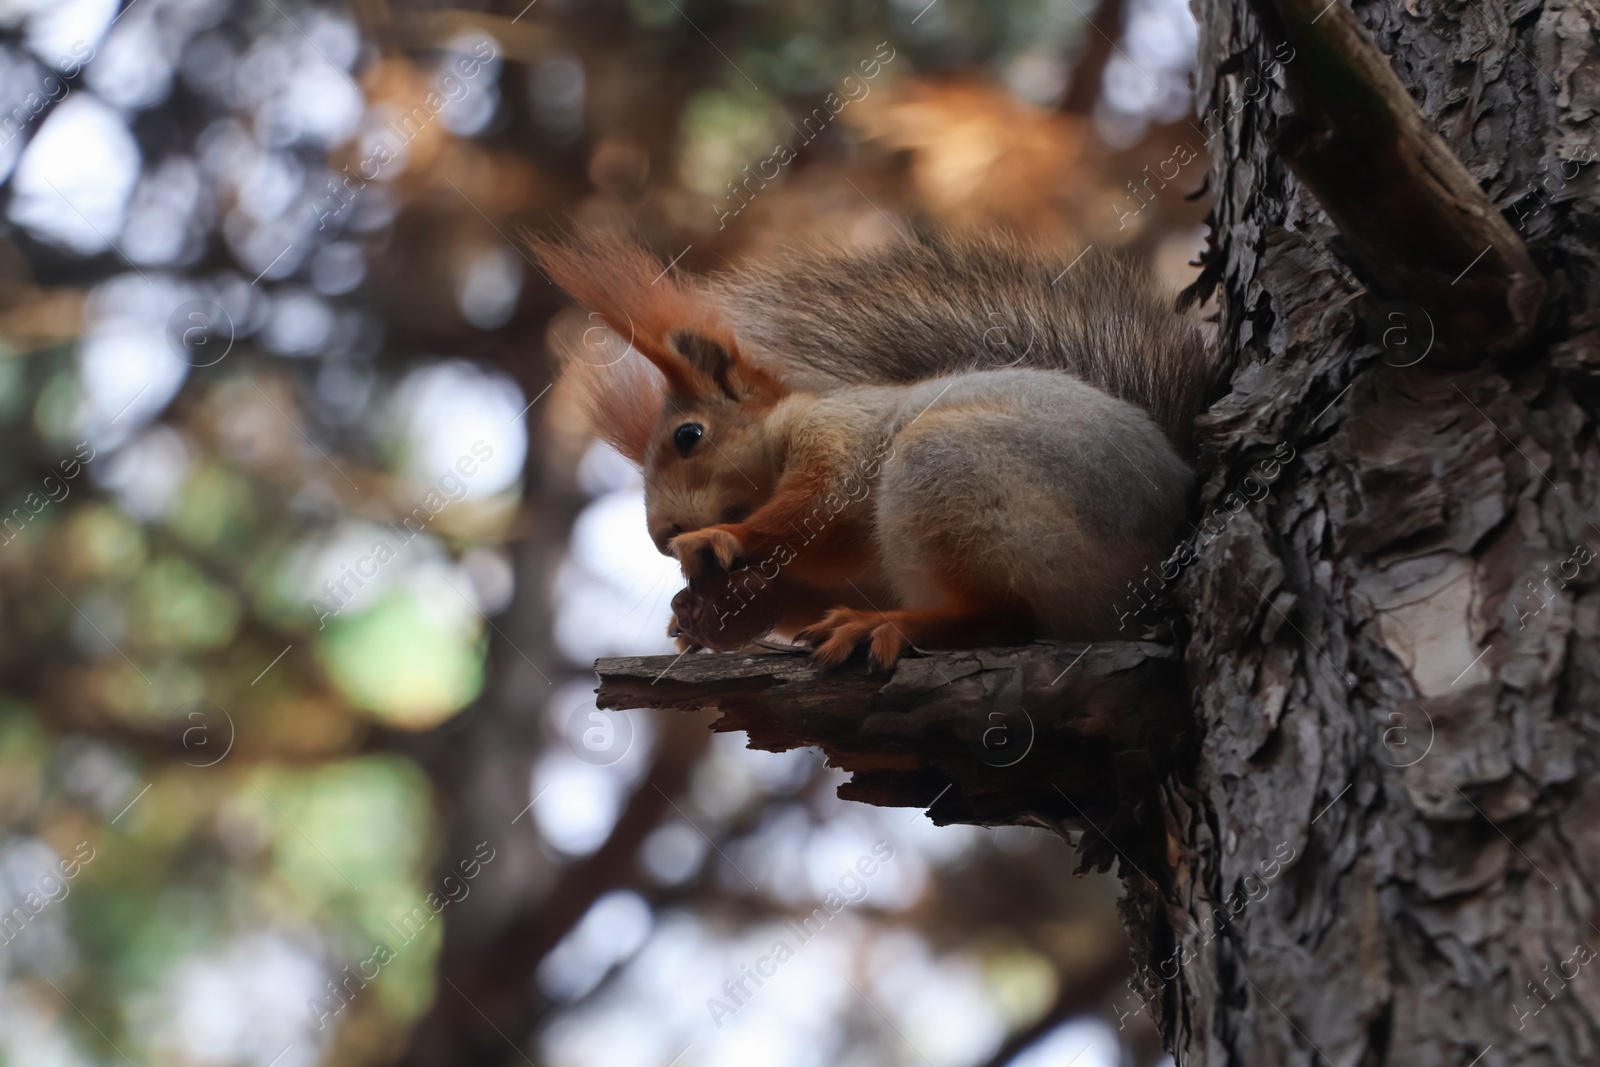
point(303, 564)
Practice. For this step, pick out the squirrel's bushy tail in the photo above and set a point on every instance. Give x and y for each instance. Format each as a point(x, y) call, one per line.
point(920, 308)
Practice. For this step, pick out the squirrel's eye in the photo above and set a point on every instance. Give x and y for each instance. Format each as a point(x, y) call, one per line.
point(685, 437)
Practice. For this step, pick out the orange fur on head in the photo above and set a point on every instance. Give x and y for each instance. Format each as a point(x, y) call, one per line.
point(659, 315)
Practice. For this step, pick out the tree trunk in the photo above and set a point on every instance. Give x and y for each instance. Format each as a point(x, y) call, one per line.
point(1389, 847)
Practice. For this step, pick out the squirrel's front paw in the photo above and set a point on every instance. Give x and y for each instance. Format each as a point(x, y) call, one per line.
point(699, 551)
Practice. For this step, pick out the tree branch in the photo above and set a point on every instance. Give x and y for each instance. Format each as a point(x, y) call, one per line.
point(1101, 32)
point(1067, 737)
point(1416, 220)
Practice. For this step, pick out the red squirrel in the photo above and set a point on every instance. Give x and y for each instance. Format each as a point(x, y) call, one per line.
point(943, 442)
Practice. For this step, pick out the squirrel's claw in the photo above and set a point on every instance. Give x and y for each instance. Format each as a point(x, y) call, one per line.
point(699, 551)
point(836, 636)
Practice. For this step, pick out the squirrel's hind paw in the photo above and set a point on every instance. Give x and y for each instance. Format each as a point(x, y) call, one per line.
point(837, 634)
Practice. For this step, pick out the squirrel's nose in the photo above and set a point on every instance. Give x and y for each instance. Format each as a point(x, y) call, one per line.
point(664, 537)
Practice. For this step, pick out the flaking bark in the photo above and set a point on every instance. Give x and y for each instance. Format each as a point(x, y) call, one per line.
point(1374, 693)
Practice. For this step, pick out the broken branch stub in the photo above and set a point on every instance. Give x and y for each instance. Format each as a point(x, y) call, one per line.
point(1065, 737)
point(1419, 225)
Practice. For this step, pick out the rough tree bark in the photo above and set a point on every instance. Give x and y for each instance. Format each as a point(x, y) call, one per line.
point(1387, 684)
point(1384, 843)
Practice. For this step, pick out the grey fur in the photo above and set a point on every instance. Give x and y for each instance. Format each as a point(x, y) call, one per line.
point(1052, 493)
point(918, 309)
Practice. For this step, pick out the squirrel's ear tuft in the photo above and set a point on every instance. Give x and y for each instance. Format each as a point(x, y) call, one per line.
point(628, 288)
point(620, 399)
point(670, 322)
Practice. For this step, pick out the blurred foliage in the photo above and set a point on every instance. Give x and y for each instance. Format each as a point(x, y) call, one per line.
point(264, 308)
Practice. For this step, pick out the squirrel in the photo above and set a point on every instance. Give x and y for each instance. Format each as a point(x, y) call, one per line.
point(941, 442)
